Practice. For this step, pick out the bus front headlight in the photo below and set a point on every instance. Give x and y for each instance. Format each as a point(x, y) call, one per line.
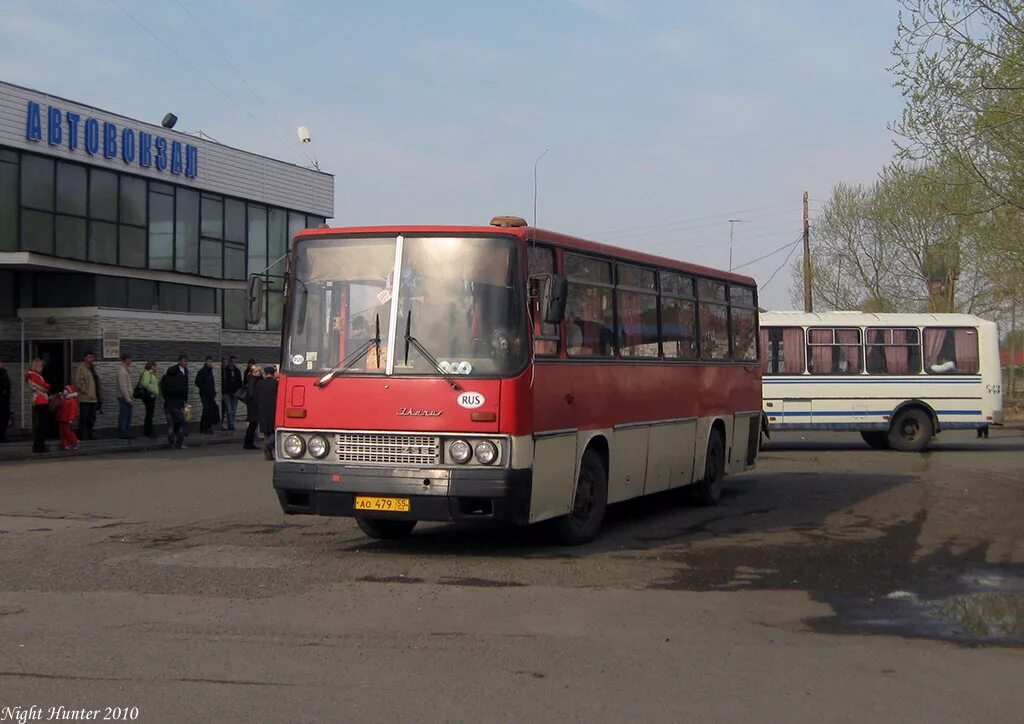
point(293, 446)
point(318, 446)
point(486, 452)
point(460, 452)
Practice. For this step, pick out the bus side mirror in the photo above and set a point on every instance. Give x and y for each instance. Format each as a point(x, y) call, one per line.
point(254, 299)
point(554, 290)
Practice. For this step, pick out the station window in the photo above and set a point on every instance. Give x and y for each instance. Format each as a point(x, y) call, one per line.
point(186, 231)
point(833, 351)
point(951, 351)
point(70, 237)
point(71, 189)
point(589, 322)
point(9, 170)
point(161, 227)
point(102, 195)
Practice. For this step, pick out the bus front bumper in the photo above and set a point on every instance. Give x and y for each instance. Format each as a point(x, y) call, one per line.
point(440, 494)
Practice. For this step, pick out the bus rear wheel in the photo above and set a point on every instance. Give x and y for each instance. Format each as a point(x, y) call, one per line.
point(385, 529)
point(583, 522)
point(911, 431)
point(708, 490)
point(878, 439)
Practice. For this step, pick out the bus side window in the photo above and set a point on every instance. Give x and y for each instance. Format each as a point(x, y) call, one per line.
point(541, 260)
point(951, 351)
point(782, 350)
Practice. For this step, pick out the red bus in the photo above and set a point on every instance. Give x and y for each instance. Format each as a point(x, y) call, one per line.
point(506, 373)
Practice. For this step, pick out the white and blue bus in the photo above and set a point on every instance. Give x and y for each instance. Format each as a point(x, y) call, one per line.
point(898, 379)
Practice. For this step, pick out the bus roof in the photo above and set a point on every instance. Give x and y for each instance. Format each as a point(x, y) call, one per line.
point(794, 317)
point(543, 236)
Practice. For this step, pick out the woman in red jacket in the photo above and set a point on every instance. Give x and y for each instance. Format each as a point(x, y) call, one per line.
point(66, 415)
point(40, 390)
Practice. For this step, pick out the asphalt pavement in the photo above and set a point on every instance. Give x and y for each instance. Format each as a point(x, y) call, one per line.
point(834, 583)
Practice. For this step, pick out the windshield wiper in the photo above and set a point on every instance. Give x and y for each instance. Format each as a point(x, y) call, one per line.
point(343, 367)
point(410, 340)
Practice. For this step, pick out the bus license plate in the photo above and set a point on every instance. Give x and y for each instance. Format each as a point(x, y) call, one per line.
point(390, 505)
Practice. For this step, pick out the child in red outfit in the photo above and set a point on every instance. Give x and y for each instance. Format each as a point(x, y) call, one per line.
point(66, 415)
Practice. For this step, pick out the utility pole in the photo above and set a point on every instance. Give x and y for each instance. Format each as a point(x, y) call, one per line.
point(732, 224)
point(808, 299)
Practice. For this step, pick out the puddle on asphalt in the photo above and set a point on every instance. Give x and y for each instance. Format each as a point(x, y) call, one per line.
point(983, 606)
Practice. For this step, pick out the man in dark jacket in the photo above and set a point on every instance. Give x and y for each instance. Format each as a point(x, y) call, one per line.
point(266, 404)
point(208, 395)
point(174, 387)
point(5, 402)
point(230, 384)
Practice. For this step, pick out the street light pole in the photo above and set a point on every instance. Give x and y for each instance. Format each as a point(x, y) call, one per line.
point(732, 225)
point(535, 185)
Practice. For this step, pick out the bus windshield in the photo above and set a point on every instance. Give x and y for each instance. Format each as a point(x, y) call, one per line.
point(459, 297)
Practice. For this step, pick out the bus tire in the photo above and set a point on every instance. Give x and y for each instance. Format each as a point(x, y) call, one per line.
point(590, 500)
point(708, 490)
point(385, 529)
point(878, 439)
point(911, 430)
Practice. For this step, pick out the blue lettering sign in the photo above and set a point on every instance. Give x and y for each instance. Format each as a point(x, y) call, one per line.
point(53, 126)
point(145, 149)
point(73, 119)
point(128, 145)
point(191, 161)
point(33, 124)
point(176, 157)
point(161, 153)
point(92, 136)
point(109, 139)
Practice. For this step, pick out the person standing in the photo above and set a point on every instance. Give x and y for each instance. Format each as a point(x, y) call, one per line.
point(230, 384)
point(150, 387)
point(66, 415)
point(88, 384)
point(5, 402)
point(208, 395)
point(124, 398)
point(174, 387)
point(252, 386)
point(40, 391)
point(266, 406)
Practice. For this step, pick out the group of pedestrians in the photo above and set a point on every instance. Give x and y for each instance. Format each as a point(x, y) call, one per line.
point(82, 401)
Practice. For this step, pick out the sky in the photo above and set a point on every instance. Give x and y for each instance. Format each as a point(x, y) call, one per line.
point(661, 120)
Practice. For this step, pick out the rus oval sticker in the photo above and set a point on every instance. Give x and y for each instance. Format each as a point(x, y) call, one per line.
point(471, 400)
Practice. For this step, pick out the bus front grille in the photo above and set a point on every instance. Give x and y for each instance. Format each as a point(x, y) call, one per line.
point(387, 449)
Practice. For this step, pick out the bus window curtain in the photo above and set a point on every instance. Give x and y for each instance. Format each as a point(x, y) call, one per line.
point(966, 343)
point(792, 351)
point(897, 355)
point(849, 341)
point(821, 352)
point(933, 341)
point(766, 352)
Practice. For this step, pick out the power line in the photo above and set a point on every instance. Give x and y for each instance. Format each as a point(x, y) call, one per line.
point(189, 64)
point(677, 222)
point(784, 263)
point(771, 253)
point(217, 47)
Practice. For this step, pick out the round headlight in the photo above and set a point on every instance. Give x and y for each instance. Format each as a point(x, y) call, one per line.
point(460, 452)
point(486, 452)
point(318, 446)
point(293, 446)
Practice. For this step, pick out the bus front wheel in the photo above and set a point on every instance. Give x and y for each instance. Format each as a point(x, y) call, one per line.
point(385, 529)
point(878, 439)
point(911, 430)
point(708, 490)
point(583, 522)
